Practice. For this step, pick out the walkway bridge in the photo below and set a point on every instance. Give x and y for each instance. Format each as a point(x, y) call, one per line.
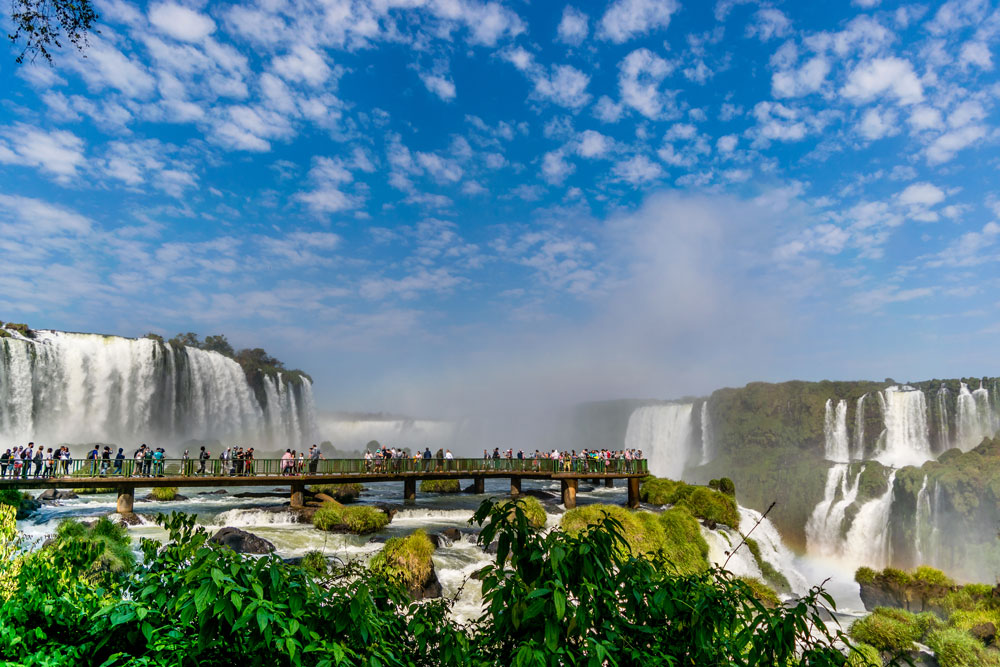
point(126, 475)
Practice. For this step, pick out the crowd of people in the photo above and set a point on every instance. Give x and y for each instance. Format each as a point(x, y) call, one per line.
point(146, 461)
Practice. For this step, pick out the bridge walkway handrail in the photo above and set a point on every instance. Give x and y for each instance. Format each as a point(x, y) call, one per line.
point(215, 467)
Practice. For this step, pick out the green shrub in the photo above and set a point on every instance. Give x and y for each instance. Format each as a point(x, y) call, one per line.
point(957, 648)
point(339, 492)
point(163, 492)
point(712, 506)
point(406, 559)
point(887, 630)
point(966, 620)
point(314, 562)
point(928, 622)
point(865, 575)
point(91, 490)
point(658, 491)
point(440, 486)
point(863, 655)
point(931, 576)
point(11, 497)
point(761, 592)
point(642, 536)
point(22, 329)
point(358, 519)
point(684, 548)
point(111, 540)
point(727, 487)
point(533, 510)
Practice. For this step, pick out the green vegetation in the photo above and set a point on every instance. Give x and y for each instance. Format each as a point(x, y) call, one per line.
point(406, 560)
point(955, 648)
point(314, 562)
point(532, 509)
point(771, 575)
point(91, 490)
point(887, 629)
point(863, 655)
point(673, 537)
point(762, 592)
point(549, 599)
point(340, 492)
point(23, 503)
point(873, 482)
point(22, 329)
point(704, 503)
point(357, 519)
point(440, 486)
point(163, 492)
point(110, 541)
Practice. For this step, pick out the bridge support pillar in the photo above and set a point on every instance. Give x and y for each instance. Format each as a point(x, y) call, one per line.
point(479, 485)
point(409, 491)
point(297, 493)
point(126, 499)
point(569, 493)
point(633, 492)
point(609, 483)
point(515, 486)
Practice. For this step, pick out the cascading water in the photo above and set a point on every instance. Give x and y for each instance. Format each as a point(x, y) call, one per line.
point(859, 430)
point(923, 525)
point(823, 529)
point(706, 435)
point(942, 418)
point(906, 440)
point(975, 418)
point(837, 446)
point(83, 388)
point(663, 433)
point(867, 541)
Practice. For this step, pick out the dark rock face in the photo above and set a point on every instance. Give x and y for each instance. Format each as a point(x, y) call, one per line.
point(914, 597)
point(430, 588)
point(27, 507)
point(984, 632)
point(150, 499)
point(241, 541)
point(220, 492)
point(50, 495)
point(130, 519)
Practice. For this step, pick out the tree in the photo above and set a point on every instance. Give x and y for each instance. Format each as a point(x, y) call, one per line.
point(258, 358)
point(186, 340)
point(218, 344)
point(43, 23)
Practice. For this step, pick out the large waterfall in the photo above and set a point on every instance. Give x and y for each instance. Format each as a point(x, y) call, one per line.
point(837, 447)
point(82, 388)
point(906, 440)
point(664, 433)
point(975, 417)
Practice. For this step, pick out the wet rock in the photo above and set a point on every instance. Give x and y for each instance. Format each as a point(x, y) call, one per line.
point(130, 519)
point(431, 588)
point(710, 524)
point(492, 548)
point(220, 492)
point(151, 499)
point(27, 507)
point(51, 495)
point(261, 494)
point(984, 632)
point(324, 498)
point(241, 541)
point(453, 534)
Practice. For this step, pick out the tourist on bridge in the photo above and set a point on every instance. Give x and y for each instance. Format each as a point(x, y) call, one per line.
point(314, 457)
point(93, 456)
point(119, 460)
point(105, 460)
point(203, 456)
point(427, 459)
point(287, 461)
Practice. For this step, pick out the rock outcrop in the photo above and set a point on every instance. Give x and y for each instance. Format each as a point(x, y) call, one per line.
point(241, 541)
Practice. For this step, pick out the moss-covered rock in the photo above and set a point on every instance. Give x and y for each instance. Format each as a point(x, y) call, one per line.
point(926, 589)
point(762, 592)
point(440, 486)
point(770, 573)
point(342, 493)
point(658, 490)
point(708, 504)
point(22, 329)
point(873, 481)
point(890, 630)
point(956, 648)
point(163, 493)
point(863, 655)
point(684, 548)
point(357, 519)
point(408, 561)
point(532, 509)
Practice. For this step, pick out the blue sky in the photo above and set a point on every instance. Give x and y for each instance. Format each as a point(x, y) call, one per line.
point(438, 205)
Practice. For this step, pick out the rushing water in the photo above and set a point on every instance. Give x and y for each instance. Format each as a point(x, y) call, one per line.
point(83, 388)
point(907, 440)
point(836, 444)
point(664, 434)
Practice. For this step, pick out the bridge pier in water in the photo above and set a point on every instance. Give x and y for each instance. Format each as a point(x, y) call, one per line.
point(515, 486)
point(298, 491)
point(479, 485)
point(409, 491)
point(633, 492)
point(569, 487)
point(126, 499)
point(609, 483)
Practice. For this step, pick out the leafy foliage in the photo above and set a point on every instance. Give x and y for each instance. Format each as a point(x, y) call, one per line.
point(531, 507)
point(406, 560)
point(440, 486)
point(890, 630)
point(358, 519)
point(339, 492)
point(163, 492)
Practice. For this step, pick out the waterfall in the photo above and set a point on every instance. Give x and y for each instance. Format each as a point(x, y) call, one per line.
point(942, 418)
point(907, 441)
point(922, 524)
point(859, 430)
point(663, 433)
point(84, 388)
point(772, 548)
point(975, 418)
point(823, 529)
point(706, 434)
point(836, 446)
point(867, 541)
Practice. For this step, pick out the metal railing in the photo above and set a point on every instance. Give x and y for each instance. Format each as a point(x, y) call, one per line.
point(128, 468)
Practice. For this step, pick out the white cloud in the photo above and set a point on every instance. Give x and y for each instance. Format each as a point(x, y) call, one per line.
point(443, 170)
point(40, 218)
point(592, 144)
point(966, 113)
point(520, 58)
point(878, 123)
point(769, 23)
point(607, 110)
point(802, 81)
point(573, 26)
point(727, 144)
point(877, 77)
point(637, 169)
point(328, 177)
point(948, 144)
point(640, 75)
point(921, 194)
point(59, 153)
point(439, 85)
point(925, 118)
point(777, 122)
point(107, 67)
point(970, 249)
point(565, 86)
point(976, 53)
point(181, 22)
point(555, 168)
point(302, 65)
point(628, 18)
